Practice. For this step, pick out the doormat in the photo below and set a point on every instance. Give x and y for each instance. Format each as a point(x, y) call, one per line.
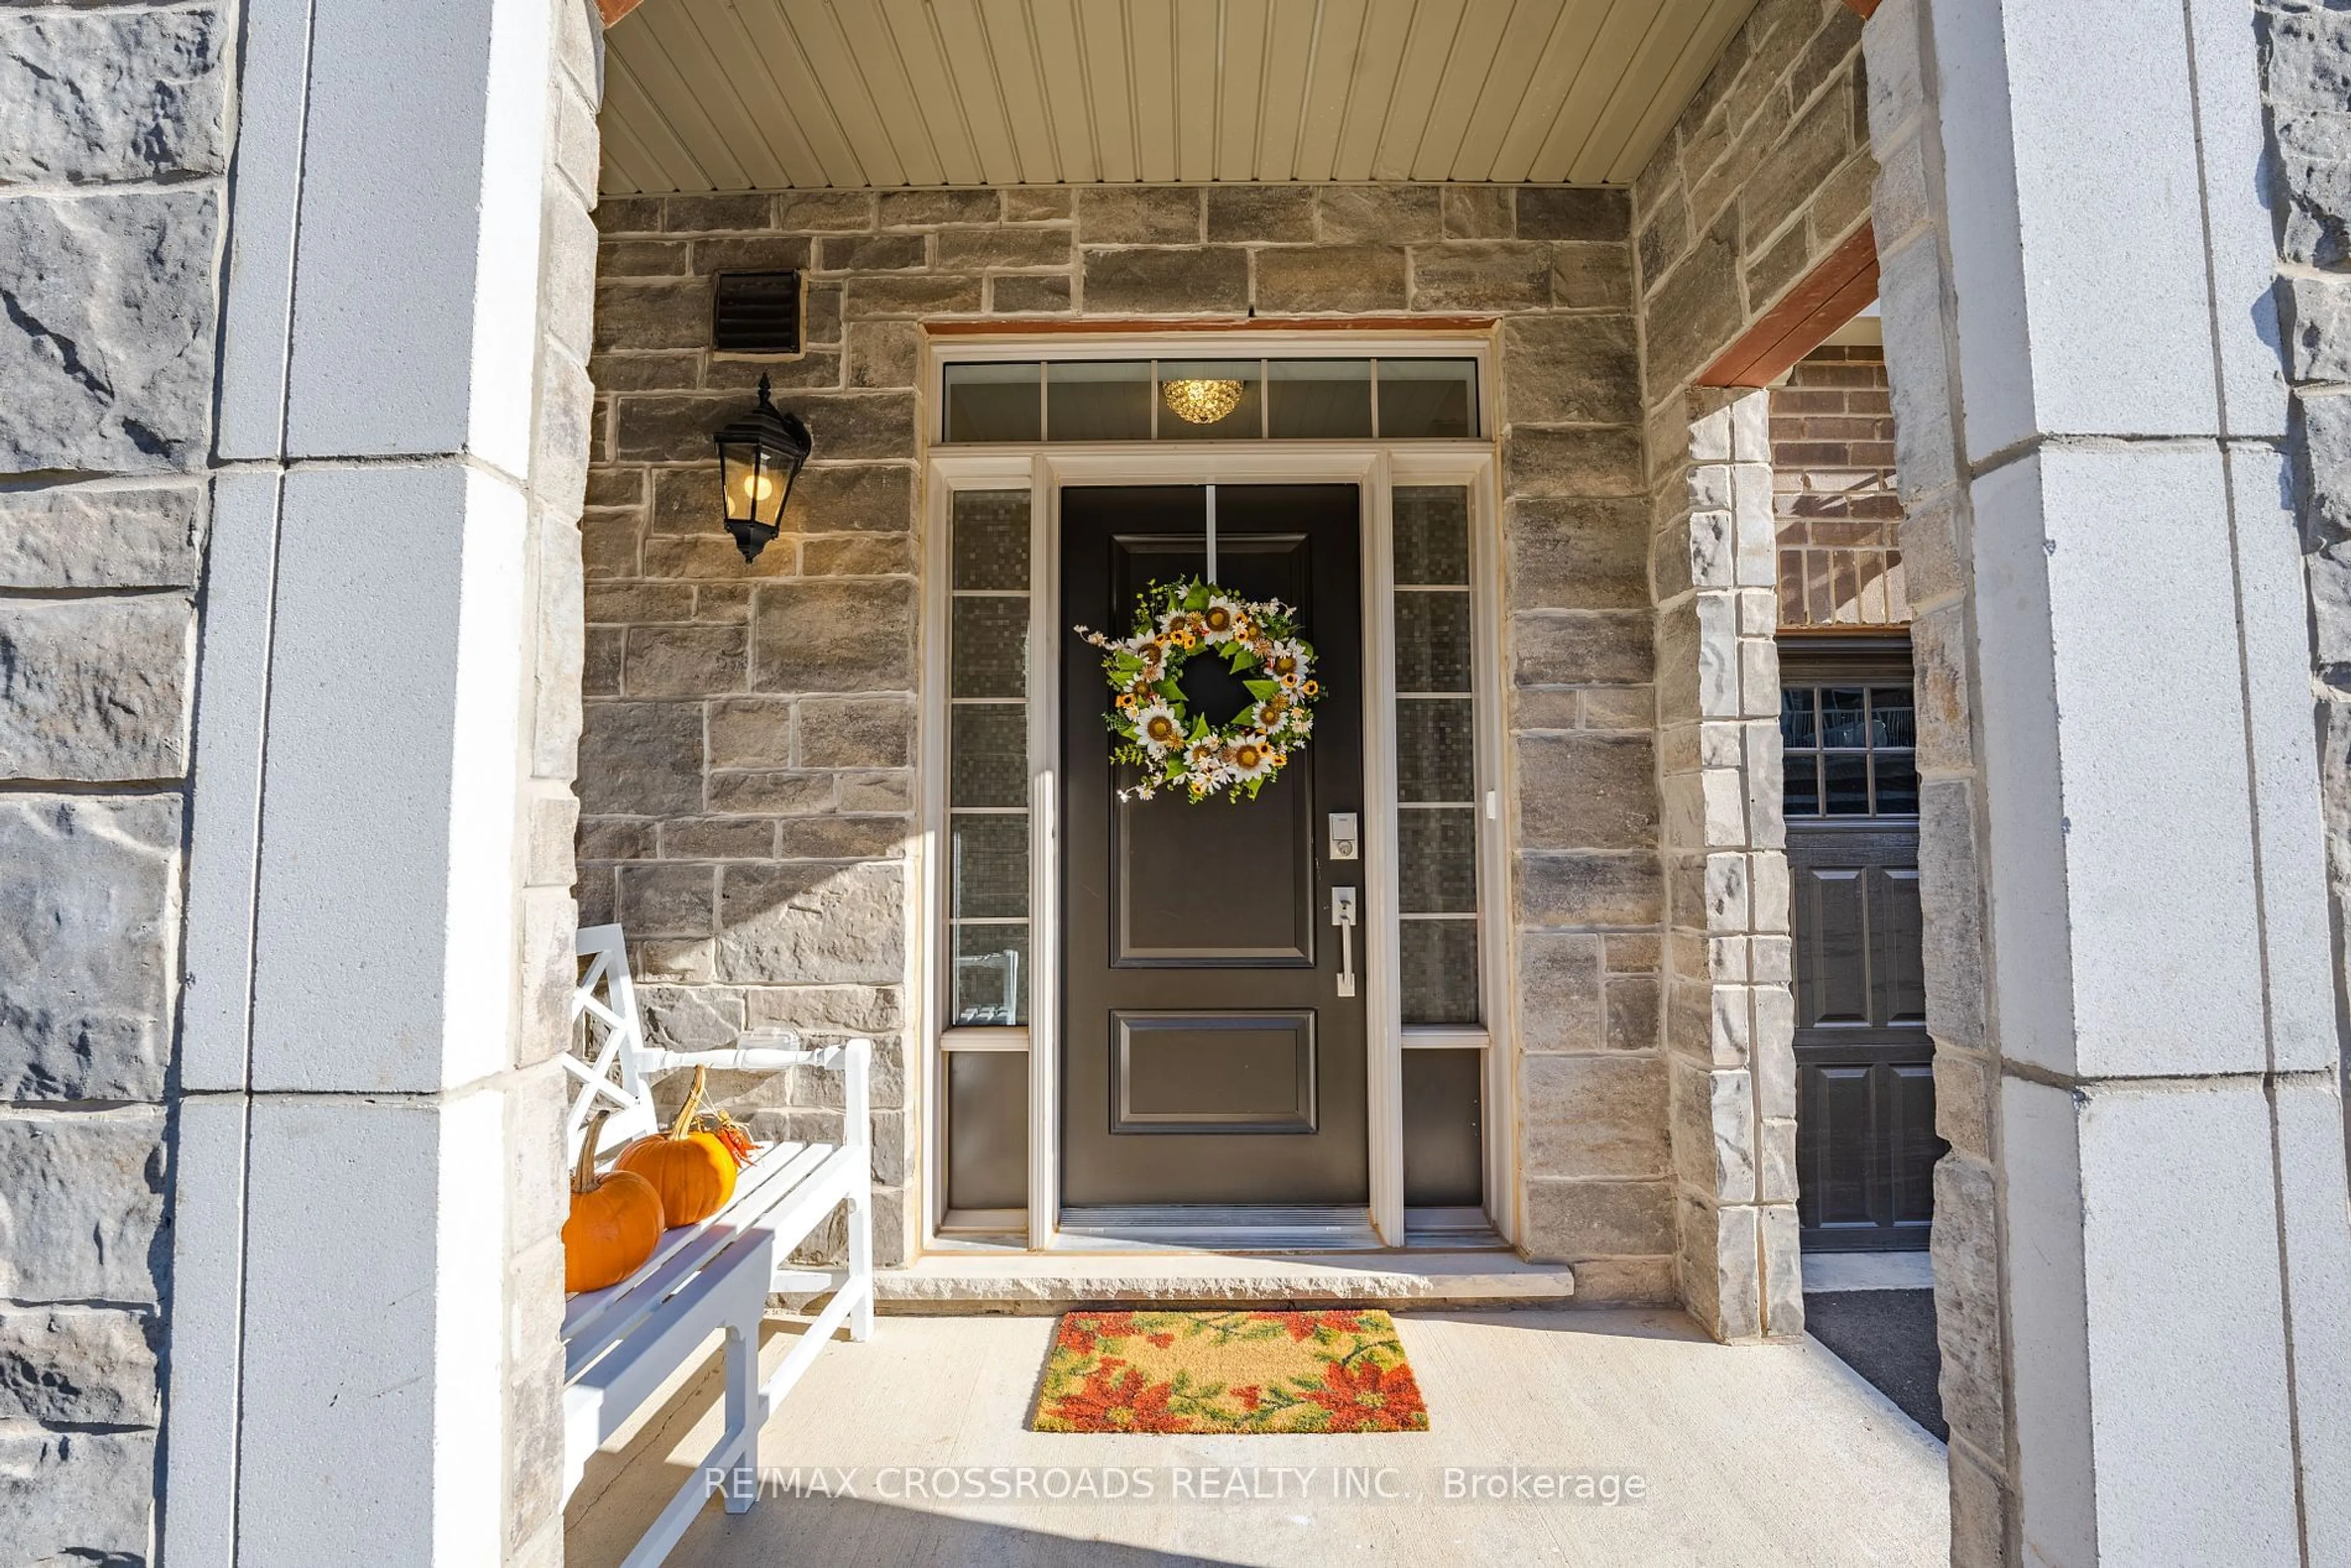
point(1334, 1371)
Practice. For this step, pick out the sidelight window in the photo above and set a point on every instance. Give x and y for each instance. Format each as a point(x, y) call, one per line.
point(988, 761)
point(1436, 756)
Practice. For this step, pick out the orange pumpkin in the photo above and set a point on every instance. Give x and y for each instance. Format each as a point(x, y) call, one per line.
point(615, 1223)
point(693, 1171)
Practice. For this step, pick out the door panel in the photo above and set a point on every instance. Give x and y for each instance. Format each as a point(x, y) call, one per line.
point(1899, 963)
point(1214, 1073)
point(1208, 1056)
point(1910, 1096)
point(1171, 914)
point(1837, 1174)
point(1866, 1143)
point(1834, 985)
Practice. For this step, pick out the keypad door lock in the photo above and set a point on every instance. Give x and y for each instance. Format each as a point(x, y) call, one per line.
point(1346, 843)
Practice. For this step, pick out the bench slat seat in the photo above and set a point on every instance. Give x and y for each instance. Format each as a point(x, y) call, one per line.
point(623, 1342)
point(593, 1319)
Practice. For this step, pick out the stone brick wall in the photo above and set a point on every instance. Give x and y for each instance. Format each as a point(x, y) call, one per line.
point(747, 773)
point(1729, 1018)
point(1767, 171)
point(2306, 84)
point(113, 147)
point(1832, 491)
point(2305, 62)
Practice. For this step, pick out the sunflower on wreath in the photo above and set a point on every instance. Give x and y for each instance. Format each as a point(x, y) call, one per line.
point(1258, 640)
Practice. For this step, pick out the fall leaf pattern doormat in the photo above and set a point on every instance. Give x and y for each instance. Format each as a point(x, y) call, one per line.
point(1337, 1371)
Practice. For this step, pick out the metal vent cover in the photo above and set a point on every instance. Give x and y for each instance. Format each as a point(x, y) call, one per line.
point(756, 313)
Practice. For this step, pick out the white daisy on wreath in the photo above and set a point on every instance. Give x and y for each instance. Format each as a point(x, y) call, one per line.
point(1250, 760)
point(1169, 746)
point(1223, 619)
point(1159, 723)
point(1288, 661)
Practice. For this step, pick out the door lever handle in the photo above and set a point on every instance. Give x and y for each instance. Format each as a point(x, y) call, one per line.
point(1343, 916)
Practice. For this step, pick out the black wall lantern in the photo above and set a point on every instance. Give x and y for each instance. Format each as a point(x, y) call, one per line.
point(759, 456)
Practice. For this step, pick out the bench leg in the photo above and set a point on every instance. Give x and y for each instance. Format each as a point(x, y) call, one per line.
point(861, 1261)
point(743, 1412)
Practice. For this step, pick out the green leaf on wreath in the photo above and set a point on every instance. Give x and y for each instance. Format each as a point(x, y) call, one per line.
point(1264, 691)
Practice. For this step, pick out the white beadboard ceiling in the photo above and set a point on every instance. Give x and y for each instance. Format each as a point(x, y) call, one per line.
point(741, 95)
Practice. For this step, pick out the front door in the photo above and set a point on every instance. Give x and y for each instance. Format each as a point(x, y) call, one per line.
point(1209, 1057)
point(1866, 1143)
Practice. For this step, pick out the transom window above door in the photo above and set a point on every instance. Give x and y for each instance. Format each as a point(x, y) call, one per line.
point(1210, 399)
point(1850, 750)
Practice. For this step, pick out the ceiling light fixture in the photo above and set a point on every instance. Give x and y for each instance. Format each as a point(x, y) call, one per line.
point(1200, 402)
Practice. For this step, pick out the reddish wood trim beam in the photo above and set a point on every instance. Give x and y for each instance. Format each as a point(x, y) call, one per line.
point(614, 10)
point(1879, 631)
point(1825, 298)
point(1014, 327)
point(1862, 7)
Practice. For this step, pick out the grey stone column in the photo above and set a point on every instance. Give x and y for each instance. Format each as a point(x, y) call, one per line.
point(1729, 1014)
point(2140, 1236)
point(1763, 179)
point(367, 1190)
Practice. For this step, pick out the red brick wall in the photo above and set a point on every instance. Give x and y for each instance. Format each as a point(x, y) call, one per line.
point(1832, 474)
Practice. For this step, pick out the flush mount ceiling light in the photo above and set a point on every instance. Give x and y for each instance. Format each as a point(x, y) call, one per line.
point(1200, 402)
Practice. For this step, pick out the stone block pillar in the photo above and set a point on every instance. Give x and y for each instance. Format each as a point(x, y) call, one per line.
point(1729, 1018)
point(2140, 1239)
point(114, 154)
point(368, 1183)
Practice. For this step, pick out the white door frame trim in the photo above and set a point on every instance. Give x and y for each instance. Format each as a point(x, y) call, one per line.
point(1374, 467)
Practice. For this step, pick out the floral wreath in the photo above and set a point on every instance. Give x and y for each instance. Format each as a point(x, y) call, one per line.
point(1173, 621)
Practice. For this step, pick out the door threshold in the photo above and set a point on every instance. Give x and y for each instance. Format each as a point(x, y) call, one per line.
point(966, 1282)
point(1209, 1228)
point(1160, 1230)
point(1890, 1271)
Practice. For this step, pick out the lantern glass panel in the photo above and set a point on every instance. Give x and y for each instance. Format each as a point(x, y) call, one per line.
point(756, 481)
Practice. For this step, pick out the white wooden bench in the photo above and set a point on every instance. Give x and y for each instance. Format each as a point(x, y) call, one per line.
point(621, 1345)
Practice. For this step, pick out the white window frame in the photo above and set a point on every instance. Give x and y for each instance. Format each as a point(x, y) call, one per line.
point(1375, 468)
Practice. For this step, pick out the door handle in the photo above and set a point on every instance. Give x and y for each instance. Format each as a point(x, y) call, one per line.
point(1343, 916)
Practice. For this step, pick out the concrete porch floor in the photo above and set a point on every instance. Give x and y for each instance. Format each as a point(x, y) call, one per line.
point(1757, 1455)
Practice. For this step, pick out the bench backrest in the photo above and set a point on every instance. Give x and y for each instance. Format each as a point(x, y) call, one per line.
point(611, 1074)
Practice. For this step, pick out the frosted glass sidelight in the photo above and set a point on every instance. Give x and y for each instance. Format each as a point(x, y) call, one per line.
point(1432, 536)
point(992, 540)
point(988, 875)
point(1440, 962)
point(987, 646)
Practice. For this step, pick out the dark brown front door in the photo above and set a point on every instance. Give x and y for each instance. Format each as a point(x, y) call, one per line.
point(1866, 1143)
point(1207, 1057)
